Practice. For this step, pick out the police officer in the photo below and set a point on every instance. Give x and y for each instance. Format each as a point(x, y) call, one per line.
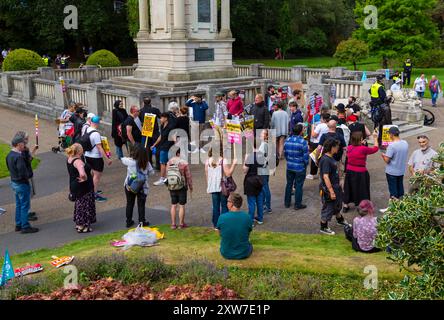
point(46, 60)
point(407, 71)
point(381, 114)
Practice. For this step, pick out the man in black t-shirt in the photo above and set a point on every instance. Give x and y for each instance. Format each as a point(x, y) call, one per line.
point(331, 191)
point(133, 127)
point(333, 134)
point(147, 109)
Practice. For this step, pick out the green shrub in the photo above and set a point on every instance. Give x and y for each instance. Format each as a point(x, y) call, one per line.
point(413, 229)
point(200, 272)
point(22, 59)
point(430, 59)
point(103, 58)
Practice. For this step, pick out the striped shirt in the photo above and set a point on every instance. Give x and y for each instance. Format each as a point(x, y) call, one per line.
point(296, 153)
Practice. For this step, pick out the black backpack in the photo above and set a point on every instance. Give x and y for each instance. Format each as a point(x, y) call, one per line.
point(85, 141)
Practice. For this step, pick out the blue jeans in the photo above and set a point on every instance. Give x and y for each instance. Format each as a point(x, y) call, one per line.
point(266, 192)
point(219, 200)
point(297, 180)
point(396, 186)
point(434, 97)
point(254, 202)
point(22, 203)
point(119, 152)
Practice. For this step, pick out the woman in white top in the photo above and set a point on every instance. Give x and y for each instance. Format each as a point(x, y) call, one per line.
point(421, 85)
point(214, 174)
point(139, 163)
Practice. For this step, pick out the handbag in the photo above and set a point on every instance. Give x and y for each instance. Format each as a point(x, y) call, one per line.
point(227, 183)
point(72, 197)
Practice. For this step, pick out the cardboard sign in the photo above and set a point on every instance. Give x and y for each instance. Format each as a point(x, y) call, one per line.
point(21, 272)
point(386, 141)
point(148, 125)
point(60, 262)
point(249, 127)
point(106, 147)
point(234, 130)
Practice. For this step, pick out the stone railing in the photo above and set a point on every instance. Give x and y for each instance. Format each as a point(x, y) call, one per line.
point(315, 72)
point(109, 97)
point(242, 70)
point(78, 75)
point(180, 97)
point(108, 73)
point(17, 85)
point(276, 73)
point(77, 94)
point(44, 90)
point(345, 88)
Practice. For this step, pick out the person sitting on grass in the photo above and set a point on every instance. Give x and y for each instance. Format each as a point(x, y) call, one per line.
point(234, 228)
point(363, 233)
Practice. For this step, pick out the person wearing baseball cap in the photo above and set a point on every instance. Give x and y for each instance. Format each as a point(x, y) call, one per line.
point(87, 124)
point(396, 159)
point(20, 183)
point(96, 156)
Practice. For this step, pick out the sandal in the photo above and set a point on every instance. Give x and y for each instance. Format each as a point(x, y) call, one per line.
point(173, 227)
point(84, 229)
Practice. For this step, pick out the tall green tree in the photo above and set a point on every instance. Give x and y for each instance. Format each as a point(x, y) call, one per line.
point(405, 27)
point(351, 51)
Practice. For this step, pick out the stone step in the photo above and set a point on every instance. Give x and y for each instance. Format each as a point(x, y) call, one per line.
point(416, 132)
point(400, 123)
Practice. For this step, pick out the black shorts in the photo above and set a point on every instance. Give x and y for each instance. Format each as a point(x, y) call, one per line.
point(96, 164)
point(179, 197)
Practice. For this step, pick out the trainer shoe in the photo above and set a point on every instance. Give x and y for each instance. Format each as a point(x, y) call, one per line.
point(258, 222)
point(33, 218)
point(327, 231)
point(2, 211)
point(29, 230)
point(202, 151)
point(301, 207)
point(99, 192)
point(343, 223)
point(160, 182)
point(100, 198)
point(130, 224)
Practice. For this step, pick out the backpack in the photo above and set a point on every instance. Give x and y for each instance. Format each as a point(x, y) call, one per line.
point(85, 141)
point(175, 180)
point(136, 182)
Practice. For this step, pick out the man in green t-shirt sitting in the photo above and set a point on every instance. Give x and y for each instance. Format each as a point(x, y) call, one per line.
point(234, 228)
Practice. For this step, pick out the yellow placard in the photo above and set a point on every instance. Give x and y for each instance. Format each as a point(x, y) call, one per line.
point(148, 125)
point(386, 141)
point(234, 127)
point(105, 145)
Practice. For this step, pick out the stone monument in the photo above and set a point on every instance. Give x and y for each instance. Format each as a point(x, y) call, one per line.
point(179, 40)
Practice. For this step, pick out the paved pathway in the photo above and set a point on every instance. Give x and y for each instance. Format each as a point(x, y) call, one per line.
point(55, 211)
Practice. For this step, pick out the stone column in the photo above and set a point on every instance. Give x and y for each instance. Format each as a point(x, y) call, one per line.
point(6, 84)
point(92, 74)
point(255, 70)
point(179, 30)
point(28, 92)
point(47, 73)
point(144, 31)
point(225, 30)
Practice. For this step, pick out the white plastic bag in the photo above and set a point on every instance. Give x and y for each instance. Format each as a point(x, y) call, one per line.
point(140, 237)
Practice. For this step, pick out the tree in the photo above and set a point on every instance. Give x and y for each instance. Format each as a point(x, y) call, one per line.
point(414, 230)
point(286, 37)
point(405, 27)
point(351, 51)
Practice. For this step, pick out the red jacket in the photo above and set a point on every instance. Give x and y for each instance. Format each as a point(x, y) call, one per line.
point(235, 106)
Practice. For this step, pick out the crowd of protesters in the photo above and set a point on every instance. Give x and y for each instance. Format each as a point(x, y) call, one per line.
point(317, 142)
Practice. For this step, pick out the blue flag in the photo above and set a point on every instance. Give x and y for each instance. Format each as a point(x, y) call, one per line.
point(7, 270)
point(364, 76)
point(387, 74)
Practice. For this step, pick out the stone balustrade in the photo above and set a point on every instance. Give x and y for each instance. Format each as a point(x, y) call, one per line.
point(44, 90)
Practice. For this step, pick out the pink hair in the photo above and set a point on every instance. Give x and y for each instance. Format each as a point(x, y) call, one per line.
point(367, 206)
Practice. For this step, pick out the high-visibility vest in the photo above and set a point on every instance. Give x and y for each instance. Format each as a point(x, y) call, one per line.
point(63, 61)
point(374, 90)
point(395, 78)
point(408, 64)
point(46, 61)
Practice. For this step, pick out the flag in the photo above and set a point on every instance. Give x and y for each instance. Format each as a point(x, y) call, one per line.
point(387, 74)
point(7, 270)
point(364, 76)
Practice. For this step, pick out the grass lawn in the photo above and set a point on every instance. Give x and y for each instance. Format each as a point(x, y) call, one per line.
point(4, 150)
point(329, 260)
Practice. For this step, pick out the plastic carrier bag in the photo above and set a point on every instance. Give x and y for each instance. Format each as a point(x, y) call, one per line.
point(140, 237)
